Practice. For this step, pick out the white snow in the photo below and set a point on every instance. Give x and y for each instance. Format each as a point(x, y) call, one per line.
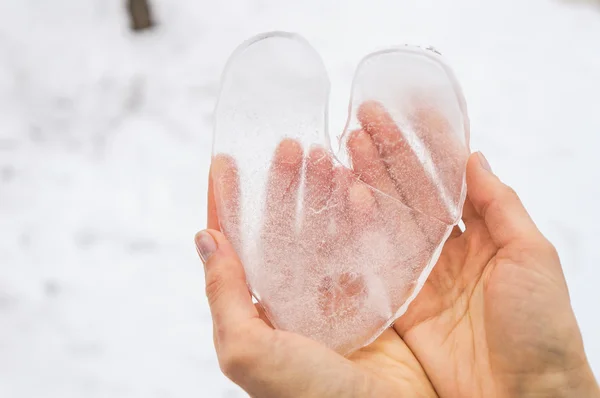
point(105, 143)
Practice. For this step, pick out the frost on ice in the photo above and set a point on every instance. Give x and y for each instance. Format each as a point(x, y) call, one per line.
point(336, 242)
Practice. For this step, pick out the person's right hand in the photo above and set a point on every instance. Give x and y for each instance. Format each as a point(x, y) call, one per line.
point(494, 318)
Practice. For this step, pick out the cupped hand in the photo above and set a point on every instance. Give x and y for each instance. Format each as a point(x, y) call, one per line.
point(494, 317)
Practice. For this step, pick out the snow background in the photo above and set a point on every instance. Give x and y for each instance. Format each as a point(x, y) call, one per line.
point(104, 152)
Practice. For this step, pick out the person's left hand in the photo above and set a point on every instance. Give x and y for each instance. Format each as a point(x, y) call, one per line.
point(268, 362)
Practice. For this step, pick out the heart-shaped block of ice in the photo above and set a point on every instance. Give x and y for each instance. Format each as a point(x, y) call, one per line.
point(336, 242)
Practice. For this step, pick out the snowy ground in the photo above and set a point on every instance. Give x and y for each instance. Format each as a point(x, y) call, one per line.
point(104, 150)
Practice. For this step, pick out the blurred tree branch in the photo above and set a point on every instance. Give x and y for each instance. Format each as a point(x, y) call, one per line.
point(140, 14)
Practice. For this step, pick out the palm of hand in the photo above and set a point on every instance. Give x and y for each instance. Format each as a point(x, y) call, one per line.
point(494, 316)
point(386, 367)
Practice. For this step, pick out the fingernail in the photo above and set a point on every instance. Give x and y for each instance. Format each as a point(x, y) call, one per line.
point(205, 245)
point(483, 161)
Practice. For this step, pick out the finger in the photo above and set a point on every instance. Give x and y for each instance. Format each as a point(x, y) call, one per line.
point(224, 197)
point(228, 296)
point(340, 229)
point(505, 216)
point(240, 336)
point(317, 192)
point(282, 190)
point(367, 163)
point(424, 174)
point(278, 242)
point(370, 167)
point(401, 161)
point(447, 149)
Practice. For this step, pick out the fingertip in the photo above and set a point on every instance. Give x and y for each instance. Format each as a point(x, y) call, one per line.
point(478, 171)
point(222, 163)
point(370, 111)
point(319, 158)
point(498, 205)
point(214, 241)
point(482, 185)
point(483, 162)
point(477, 162)
point(282, 187)
point(226, 289)
point(214, 233)
point(362, 149)
point(479, 178)
point(289, 152)
point(317, 153)
point(207, 243)
point(357, 139)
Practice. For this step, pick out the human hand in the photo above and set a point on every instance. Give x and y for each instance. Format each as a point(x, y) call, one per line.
point(494, 317)
point(269, 362)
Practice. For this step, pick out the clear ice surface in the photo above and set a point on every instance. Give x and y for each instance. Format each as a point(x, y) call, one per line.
point(336, 242)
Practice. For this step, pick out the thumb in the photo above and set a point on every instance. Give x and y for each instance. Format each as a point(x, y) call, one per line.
point(498, 204)
point(239, 339)
point(228, 296)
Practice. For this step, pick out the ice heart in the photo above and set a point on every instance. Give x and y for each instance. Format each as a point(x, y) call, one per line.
point(336, 244)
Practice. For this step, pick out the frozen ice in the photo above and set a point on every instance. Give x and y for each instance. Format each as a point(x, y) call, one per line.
point(338, 235)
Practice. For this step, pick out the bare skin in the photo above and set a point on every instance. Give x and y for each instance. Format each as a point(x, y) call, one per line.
point(493, 319)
